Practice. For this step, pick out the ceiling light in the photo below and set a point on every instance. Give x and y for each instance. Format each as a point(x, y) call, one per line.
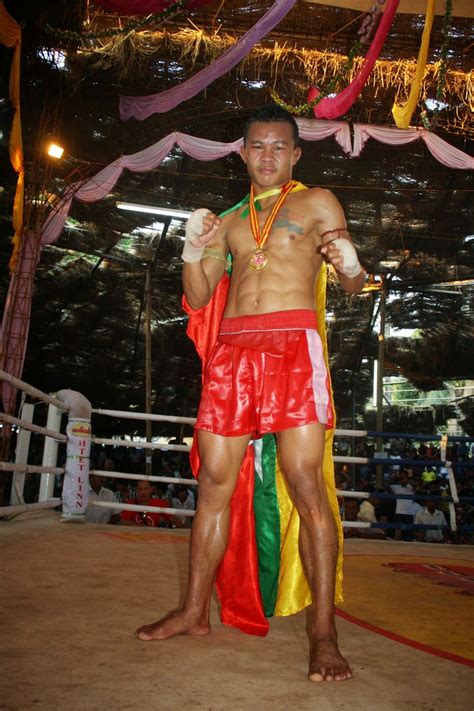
point(55, 151)
point(154, 210)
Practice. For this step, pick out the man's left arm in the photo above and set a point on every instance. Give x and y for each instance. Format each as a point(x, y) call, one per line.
point(336, 242)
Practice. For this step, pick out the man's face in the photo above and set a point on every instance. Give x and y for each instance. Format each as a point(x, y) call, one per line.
point(143, 490)
point(95, 482)
point(270, 153)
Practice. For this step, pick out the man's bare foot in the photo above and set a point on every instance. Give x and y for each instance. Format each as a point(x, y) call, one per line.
point(326, 663)
point(174, 623)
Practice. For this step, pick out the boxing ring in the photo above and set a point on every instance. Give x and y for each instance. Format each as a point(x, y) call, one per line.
point(74, 594)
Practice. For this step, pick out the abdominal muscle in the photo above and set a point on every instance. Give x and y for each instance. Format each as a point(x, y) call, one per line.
point(286, 283)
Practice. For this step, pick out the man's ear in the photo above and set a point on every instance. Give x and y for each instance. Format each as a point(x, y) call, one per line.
point(243, 153)
point(297, 155)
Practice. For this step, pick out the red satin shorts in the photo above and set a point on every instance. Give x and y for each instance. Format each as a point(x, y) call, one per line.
point(266, 373)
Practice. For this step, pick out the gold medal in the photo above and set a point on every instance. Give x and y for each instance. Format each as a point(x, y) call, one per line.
point(258, 260)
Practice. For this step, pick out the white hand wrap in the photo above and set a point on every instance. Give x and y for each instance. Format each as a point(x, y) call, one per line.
point(193, 229)
point(350, 264)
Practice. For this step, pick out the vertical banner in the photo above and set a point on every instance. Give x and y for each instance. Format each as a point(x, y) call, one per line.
point(76, 475)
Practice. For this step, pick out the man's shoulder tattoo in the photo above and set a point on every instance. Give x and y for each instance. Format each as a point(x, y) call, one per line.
point(287, 219)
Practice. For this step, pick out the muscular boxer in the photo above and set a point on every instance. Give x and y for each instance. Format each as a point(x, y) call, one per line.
point(266, 372)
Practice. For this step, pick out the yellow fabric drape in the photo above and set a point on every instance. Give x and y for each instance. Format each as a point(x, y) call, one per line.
point(293, 589)
point(402, 114)
point(10, 35)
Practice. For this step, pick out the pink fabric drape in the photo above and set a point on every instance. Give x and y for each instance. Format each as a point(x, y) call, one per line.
point(446, 154)
point(101, 184)
point(144, 7)
point(336, 106)
point(16, 315)
point(140, 107)
point(312, 130)
point(439, 149)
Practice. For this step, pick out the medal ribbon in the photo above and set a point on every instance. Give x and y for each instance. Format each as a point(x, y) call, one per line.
point(261, 237)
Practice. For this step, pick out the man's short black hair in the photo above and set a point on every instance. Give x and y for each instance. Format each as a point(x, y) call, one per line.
point(272, 113)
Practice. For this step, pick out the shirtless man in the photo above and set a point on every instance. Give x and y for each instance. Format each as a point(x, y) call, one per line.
point(309, 226)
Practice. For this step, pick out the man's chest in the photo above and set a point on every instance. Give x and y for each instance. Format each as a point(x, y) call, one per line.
point(289, 227)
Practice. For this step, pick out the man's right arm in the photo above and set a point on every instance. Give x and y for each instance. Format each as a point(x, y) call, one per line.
point(205, 258)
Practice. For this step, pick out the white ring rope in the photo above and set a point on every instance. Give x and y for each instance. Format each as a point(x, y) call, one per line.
point(142, 444)
point(33, 428)
point(351, 460)
point(34, 392)
point(127, 415)
point(353, 494)
point(143, 477)
point(30, 468)
point(22, 508)
point(148, 509)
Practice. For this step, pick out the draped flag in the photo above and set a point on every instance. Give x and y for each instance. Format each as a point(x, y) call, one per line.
point(402, 114)
point(261, 573)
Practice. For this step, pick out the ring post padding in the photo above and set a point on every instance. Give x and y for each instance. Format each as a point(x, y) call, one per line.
point(76, 475)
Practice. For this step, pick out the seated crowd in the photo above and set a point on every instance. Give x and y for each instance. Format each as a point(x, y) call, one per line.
point(141, 492)
point(422, 480)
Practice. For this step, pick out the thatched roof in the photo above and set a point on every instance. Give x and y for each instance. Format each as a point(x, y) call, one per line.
point(402, 205)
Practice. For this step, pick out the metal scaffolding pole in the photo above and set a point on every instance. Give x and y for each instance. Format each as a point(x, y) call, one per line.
point(379, 382)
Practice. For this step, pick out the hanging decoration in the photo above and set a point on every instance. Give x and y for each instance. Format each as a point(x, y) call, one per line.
point(368, 25)
point(144, 7)
point(17, 313)
point(324, 106)
point(314, 95)
point(10, 36)
point(386, 74)
point(441, 150)
point(132, 26)
point(443, 69)
point(140, 107)
point(403, 113)
point(100, 185)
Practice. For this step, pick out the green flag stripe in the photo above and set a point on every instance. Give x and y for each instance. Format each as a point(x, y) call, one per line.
point(267, 522)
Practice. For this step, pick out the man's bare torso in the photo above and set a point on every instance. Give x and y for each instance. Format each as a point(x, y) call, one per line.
point(287, 282)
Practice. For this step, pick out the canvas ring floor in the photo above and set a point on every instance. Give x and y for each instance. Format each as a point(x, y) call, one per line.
point(72, 596)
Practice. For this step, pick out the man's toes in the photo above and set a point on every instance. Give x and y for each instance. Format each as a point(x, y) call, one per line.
point(316, 676)
point(343, 674)
point(144, 633)
point(141, 634)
